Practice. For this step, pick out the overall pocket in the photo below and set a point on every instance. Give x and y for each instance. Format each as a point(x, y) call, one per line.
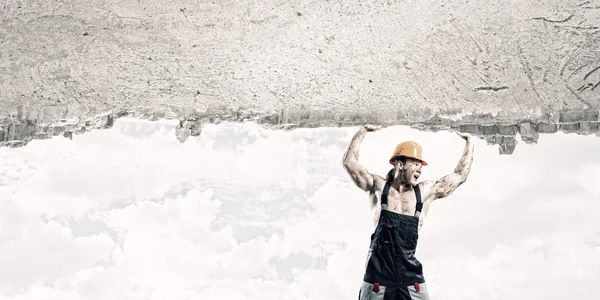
point(371, 291)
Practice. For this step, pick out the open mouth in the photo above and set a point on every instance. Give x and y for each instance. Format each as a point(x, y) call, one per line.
point(416, 176)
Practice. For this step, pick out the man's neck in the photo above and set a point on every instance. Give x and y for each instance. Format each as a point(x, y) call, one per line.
point(400, 185)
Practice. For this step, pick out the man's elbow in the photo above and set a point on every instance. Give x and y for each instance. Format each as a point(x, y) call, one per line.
point(461, 176)
point(348, 163)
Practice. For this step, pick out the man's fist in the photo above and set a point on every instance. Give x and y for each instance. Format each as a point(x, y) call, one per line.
point(465, 136)
point(370, 127)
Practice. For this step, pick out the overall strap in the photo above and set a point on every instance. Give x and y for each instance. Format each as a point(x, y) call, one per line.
point(384, 195)
point(419, 202)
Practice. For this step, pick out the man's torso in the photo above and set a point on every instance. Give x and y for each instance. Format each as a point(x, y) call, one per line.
point(399, 202)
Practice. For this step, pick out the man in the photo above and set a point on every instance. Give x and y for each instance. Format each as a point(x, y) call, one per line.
point(399, 205)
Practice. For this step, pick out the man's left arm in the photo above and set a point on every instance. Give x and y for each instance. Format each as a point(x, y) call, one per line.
point(444, 186)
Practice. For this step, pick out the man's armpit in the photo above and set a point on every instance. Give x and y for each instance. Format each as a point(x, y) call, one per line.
point(426, 187)
point(378, 182)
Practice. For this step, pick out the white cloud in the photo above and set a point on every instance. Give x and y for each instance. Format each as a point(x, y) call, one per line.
point(32, 250)
point(247, 213)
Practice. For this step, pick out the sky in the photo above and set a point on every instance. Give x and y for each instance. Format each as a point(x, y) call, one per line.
point(245, 212)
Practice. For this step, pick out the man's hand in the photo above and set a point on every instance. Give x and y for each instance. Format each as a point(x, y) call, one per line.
point(371, 128)
point(465, 136)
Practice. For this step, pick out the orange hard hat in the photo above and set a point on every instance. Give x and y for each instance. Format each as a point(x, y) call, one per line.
point(408, 149)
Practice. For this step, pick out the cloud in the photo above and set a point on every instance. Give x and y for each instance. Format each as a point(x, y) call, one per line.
point(32, 250)
point(243, 212)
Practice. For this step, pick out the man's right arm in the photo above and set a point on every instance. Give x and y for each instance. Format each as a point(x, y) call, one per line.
point(359, 174)
point(442, 187)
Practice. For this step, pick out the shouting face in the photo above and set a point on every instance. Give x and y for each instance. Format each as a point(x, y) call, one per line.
point(409, 171)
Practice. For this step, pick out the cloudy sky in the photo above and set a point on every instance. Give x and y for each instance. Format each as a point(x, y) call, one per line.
point(243, 212)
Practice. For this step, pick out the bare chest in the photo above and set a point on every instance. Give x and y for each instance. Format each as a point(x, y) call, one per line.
point(403, 203)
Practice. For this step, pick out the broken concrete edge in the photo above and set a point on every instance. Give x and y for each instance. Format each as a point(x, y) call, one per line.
point(17, 132)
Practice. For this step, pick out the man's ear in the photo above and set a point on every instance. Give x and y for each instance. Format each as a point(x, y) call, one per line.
point(398, 164)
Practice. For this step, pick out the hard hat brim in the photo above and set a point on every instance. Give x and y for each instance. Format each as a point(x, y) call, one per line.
point(424, 163)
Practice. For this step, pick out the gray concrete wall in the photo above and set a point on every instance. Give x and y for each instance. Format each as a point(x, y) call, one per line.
point(69, 66)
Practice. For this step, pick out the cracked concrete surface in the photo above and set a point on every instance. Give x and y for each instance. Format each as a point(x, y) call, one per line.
point(491, 69)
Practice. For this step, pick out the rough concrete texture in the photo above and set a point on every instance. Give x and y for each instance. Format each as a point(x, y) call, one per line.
point(485, 67)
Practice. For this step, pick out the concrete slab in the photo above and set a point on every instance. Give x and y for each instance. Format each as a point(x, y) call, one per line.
point(481, 66)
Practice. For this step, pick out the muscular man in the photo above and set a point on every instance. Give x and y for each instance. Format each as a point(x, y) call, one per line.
point(399, 205)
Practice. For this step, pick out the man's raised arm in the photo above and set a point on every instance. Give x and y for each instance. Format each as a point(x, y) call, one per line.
point(359, 174)
point(447, 184)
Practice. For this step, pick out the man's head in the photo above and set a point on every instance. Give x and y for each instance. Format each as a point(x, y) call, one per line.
point(407, 160)
point(407, 170)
